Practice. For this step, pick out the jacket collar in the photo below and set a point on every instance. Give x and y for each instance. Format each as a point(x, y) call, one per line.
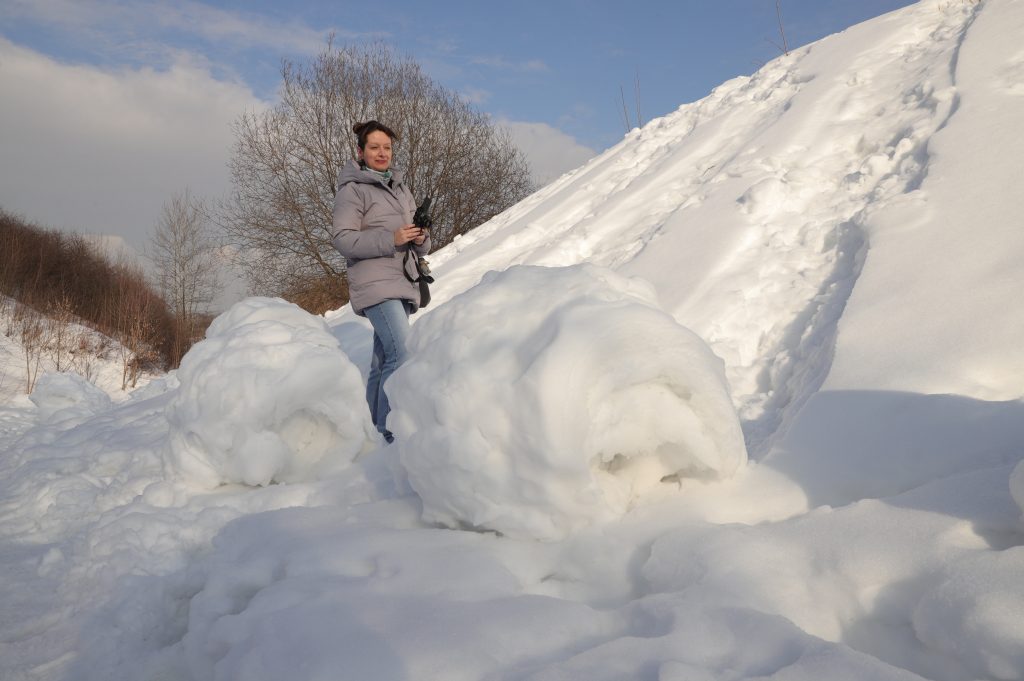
point(351, 172)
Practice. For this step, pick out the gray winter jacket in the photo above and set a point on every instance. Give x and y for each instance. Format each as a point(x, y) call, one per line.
point(367, 213)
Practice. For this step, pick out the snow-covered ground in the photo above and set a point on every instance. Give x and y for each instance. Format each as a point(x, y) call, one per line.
point(59, 346)
point(821, 260)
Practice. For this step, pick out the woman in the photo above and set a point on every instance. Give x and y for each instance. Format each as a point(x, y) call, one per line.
point(373, 229)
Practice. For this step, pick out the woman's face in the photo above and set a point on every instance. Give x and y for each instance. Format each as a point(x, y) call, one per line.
point(377, 152)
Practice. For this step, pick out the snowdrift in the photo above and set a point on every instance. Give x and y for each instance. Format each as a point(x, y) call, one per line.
point(65, 396)
point(544, 400)
point(267, 397)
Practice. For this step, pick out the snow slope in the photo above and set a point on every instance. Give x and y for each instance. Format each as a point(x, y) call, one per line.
point(88, 352)
point(840, 229)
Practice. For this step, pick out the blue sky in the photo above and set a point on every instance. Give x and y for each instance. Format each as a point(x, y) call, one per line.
point(554, 69)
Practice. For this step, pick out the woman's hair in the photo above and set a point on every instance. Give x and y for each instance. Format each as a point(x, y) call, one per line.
point(363, 130)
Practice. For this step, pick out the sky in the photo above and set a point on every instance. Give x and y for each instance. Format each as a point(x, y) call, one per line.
point(111, 107)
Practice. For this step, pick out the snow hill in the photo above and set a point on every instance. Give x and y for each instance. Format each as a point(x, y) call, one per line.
point(741, 398)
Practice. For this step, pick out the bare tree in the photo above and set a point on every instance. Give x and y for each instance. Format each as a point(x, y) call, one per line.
point(61, 334)
point(32, 334)
point(7, 314)
point(184, 252)
point(286, 161)
point(136, 342)
point(138, 319)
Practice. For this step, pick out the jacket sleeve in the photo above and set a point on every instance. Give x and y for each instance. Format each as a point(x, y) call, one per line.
point(423, 248)
point(346, 230)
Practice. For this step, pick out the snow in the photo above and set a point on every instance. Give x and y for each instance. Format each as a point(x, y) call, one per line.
point(960, 337)
point(566, 413)
point(822, 257)
point(86, 351)
point(66, 395)
point(268, 396)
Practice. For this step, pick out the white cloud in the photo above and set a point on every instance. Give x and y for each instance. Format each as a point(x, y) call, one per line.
point(241, 29)
point(474, 95)
point(113, 26)
point(100, 151)
point(550, 151)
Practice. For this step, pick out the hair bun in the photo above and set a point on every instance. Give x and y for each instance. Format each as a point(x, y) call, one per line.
point(363, 130)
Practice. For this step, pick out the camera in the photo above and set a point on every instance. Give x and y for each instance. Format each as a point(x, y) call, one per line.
point(422, 216)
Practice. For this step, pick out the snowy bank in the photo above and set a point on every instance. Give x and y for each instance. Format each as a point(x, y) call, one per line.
point(267, 397)
point(546, 399)
point(65, 396)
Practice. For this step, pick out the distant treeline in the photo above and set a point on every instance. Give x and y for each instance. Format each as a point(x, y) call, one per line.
point(52, 271)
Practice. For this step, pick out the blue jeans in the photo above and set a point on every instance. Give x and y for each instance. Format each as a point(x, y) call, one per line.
point(390, 321)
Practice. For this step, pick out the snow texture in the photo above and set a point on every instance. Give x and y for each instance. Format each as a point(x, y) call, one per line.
point(547, 399)
point(267, 396)
point(66, 396)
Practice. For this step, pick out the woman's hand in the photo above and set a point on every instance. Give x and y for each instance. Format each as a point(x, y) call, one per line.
point(409, 233)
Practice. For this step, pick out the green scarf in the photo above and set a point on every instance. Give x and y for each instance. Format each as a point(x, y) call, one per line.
point(384, 177)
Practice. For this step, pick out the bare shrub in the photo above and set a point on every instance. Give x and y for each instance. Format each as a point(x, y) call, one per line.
point(140, 322)
point(41, 268)
point(85, 366)
point(7, 313)
point(60, 331)
point(32, 335)
point(317, 294)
